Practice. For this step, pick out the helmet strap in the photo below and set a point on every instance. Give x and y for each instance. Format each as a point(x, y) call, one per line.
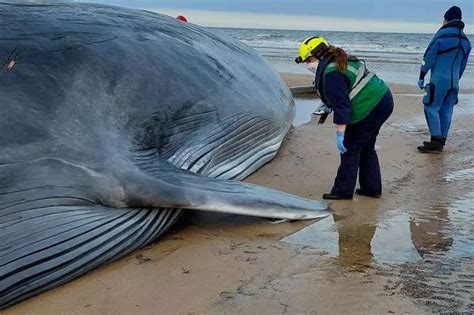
point(319, 51)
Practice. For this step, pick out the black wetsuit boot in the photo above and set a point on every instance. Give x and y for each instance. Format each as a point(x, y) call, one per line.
point(434, 146)
point(443, 141)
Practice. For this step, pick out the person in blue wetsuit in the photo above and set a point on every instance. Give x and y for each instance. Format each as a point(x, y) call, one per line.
point(361, 102)
point(446, 57)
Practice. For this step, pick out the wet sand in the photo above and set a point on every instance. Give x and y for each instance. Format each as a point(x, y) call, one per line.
point(408, 252)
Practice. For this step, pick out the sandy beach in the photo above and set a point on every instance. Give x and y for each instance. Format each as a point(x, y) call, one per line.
point(408, 252)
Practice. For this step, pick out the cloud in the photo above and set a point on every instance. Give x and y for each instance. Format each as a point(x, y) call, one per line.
point(299, 22)
point(425, 11)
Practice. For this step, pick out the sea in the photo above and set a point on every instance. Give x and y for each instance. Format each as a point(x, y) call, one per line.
point(395, 57)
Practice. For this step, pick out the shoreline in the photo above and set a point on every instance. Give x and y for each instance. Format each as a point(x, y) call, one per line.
point(306, 80)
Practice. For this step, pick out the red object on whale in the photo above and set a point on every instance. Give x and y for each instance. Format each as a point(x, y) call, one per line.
point(182, 18)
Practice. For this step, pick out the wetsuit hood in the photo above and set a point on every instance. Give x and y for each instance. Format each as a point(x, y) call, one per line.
point(455, 23)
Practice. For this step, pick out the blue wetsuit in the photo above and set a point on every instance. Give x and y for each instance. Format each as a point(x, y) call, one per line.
point(446, 57)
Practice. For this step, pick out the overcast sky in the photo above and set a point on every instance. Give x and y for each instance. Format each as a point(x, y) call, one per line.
point(357, 15)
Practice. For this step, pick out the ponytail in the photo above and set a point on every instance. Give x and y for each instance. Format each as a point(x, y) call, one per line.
point(340, 57)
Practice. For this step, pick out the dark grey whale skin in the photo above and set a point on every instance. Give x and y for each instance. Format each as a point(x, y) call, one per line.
point(114, 120)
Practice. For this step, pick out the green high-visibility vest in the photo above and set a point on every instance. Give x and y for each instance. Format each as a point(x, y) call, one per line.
point(366, 89)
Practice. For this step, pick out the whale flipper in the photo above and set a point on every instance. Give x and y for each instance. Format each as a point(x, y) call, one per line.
point(176, 188)
point(54, 230)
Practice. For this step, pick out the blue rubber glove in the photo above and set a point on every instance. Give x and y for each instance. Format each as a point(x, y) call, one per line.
point(421, 84)
point(340, 142)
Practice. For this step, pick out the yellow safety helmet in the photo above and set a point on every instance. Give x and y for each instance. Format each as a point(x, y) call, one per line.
point(313, 46)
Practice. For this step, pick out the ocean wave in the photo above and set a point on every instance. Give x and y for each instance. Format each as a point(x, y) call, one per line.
point(396, 57)
point(294, 44)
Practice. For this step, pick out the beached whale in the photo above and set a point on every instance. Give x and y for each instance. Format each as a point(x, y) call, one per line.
point(112, 121)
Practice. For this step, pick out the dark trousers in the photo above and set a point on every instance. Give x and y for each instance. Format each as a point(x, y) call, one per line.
point(360, 141)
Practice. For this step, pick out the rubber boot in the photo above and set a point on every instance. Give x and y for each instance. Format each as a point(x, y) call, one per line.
point(434, 146)
point(443, 141)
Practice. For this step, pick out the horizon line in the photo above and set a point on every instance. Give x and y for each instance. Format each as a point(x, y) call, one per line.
point(316, 30)
point(233, 19)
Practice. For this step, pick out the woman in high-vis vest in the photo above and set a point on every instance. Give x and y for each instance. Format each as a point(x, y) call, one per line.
point(361, 103)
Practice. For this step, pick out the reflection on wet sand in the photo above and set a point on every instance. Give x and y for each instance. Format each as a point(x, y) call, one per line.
point(397, 238)
point(339, 237)
point(358, 245)
point(355, 245)
point(429, 233)
point(392, 243)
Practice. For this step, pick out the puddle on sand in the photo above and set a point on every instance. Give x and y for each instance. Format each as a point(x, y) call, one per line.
point(443, 280)
point(400, 238)
point(463, 239)
point(466, 174)
point(359, 245)
point(322, 235)
point(392, 242)
point(304, 110)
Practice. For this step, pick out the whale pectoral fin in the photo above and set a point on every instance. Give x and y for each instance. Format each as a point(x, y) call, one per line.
point(182, 189)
